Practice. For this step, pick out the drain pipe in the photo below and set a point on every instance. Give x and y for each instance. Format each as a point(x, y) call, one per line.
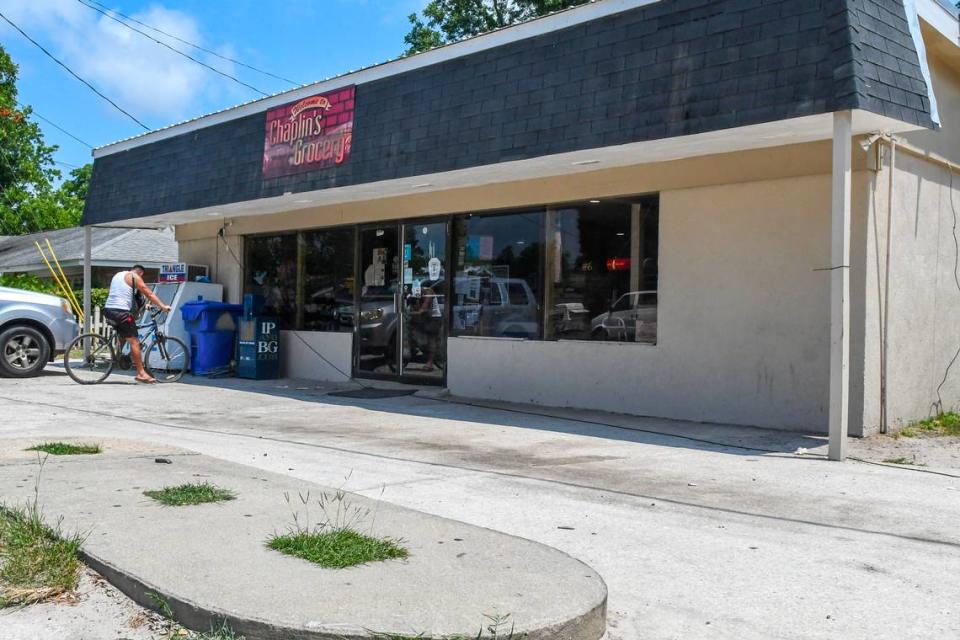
point(884, 329)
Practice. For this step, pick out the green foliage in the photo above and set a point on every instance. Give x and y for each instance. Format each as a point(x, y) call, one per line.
point(444, 21)
point(66, 449)
point(29, 201)
point(190, 494)
point(30, 282)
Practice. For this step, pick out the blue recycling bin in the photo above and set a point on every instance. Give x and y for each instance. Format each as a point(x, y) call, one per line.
point(213, 328)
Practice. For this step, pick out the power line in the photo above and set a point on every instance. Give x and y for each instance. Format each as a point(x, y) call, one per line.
point(56, 126)
point(177, 51)
point(71, 72)
point(196, 46)
point(67, 164)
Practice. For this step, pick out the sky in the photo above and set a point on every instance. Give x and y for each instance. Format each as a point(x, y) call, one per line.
point(302, 40)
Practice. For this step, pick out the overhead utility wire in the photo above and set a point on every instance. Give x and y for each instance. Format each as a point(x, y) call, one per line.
point(71, 72)
point(177, 51)
point(196, 46)
point(56, 126)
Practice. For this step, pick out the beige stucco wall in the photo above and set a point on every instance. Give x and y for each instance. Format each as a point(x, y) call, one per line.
point(924, 295)
point(743, 320)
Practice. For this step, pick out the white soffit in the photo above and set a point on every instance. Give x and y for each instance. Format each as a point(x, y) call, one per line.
point(529, 29)
point(941, 18)
point(771, 134)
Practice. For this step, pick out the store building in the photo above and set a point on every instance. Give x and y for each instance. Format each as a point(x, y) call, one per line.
point(673, 208)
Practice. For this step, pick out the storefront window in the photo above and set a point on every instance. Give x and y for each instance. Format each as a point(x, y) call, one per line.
point(327, 280)
point(271, 271)
point(497, 277)
point(601, 266)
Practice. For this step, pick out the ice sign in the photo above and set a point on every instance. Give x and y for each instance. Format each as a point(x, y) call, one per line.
point(175, 272)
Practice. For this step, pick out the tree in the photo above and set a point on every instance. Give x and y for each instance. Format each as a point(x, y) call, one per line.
point(28, 200)
point(445, 21)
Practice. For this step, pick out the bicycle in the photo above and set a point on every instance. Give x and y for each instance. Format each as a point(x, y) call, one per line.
point(167, 358)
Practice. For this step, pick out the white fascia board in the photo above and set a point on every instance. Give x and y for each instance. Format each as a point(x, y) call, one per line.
point(941, 18)
point(532, 28)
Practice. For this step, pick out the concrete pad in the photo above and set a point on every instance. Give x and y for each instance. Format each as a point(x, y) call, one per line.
point(210, 562)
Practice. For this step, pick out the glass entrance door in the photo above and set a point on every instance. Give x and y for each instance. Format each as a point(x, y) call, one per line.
point(402, 310)
point(424, 295)
point(378, 324)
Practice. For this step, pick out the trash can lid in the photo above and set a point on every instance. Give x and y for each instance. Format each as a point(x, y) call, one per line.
point(192, 310)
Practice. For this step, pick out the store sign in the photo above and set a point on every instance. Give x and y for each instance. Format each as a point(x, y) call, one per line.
point(176, 272)
point(309, 134)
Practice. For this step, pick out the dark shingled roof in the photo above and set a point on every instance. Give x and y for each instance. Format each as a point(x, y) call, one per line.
point(670, 68)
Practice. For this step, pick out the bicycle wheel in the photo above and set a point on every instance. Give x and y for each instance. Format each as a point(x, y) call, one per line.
point(89, 358)
point(167, 358)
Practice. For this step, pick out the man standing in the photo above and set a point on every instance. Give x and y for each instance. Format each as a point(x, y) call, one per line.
point(121, 308)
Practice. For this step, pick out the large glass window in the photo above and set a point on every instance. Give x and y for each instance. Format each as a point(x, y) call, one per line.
point(328, 282)
point(271, 271)
point(601, 266)
point(497, 278)
point(306, 279)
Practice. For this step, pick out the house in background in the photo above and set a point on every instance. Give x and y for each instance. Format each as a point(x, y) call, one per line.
point(111, 250)
point(686, 209)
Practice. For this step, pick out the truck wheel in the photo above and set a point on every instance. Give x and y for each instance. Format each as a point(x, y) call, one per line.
point(24, 351)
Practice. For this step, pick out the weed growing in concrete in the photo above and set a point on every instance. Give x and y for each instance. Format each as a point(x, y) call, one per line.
point(220, 631)
point(336, 542)
point(911, 461)
point(161, 604)
point(495, 629)
point(945, 424)
point(190, 494)
point(37, 561)
point(66, 449)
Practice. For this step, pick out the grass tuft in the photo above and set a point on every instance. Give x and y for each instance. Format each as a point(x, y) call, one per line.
point(190, 494)
point(945, 424)
point(37, 561)
point(336, 548)
point(66, 449)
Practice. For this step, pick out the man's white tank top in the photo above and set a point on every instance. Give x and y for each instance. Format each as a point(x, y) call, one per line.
point(121, 294)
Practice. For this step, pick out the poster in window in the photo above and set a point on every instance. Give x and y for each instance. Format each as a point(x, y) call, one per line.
point(309, 134)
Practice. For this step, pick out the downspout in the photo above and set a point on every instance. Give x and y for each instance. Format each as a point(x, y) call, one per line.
point(884, 329)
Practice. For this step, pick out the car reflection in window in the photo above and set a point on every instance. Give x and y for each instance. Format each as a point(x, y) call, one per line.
point(632, 318)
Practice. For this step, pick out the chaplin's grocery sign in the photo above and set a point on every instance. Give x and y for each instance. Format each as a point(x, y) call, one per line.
point(309, 134)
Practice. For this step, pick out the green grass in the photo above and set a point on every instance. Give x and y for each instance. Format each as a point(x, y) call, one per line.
point(336, 548)
point(37, 561)
point(945, 424)
point(66, 449)
point(189, 494)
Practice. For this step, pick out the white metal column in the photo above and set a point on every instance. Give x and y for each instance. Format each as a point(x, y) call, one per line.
point(840, 286)
point(87, 241)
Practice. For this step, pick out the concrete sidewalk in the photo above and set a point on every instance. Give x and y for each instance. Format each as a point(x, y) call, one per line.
point(210, 563)
point(695, 536)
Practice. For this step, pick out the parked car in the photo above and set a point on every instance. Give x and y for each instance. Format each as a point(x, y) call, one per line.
point(632, 318)
point(34, 328)
point(503, 307)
